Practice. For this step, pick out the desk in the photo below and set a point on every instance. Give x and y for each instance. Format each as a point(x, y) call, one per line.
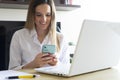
point(108, 74)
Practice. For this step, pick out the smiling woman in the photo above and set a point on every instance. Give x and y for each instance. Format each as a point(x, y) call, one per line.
point(42, 20)
point(40, 29)
point(7, 29)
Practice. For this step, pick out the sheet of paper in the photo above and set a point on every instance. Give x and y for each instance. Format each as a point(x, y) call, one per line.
point(6, 73)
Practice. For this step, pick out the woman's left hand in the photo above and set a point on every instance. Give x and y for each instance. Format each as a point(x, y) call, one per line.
point(53, 61)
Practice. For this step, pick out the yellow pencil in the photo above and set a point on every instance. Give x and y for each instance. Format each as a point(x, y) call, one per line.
point(21, 76)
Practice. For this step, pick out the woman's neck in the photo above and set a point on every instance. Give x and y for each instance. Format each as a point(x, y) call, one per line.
point(41, 34)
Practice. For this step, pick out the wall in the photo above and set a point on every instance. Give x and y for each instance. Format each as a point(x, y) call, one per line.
point(13, 14)
point(71, 24)
point(67, 19)
point(101, 9)
point(107, 10)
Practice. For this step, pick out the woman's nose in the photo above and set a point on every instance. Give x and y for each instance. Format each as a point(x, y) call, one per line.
point(44, 18)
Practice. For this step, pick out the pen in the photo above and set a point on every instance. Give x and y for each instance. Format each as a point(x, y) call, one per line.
point(21, 77)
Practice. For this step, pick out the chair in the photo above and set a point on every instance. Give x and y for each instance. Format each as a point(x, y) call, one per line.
point(7, 28)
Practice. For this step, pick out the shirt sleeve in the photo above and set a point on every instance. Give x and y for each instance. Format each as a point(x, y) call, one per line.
point(15, 53)
point(64, 53)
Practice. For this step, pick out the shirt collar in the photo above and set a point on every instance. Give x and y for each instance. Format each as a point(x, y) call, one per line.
point(33, 32)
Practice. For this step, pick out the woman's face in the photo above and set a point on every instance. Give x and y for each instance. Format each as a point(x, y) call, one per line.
point(42, 16)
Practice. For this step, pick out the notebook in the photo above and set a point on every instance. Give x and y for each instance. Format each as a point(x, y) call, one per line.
point(4, 74)
point(98, 48)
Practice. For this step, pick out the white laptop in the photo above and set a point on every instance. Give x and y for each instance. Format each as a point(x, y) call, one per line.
point(98, 48)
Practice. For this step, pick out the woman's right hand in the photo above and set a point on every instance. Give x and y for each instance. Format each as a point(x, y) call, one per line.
point(42, 59)
point(39, 61)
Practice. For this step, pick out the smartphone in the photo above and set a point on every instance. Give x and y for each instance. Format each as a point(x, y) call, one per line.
point(49, 49)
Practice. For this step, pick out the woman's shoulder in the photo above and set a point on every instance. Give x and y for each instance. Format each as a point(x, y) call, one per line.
point(62, 40)
point(60, 35)
point(21, 32)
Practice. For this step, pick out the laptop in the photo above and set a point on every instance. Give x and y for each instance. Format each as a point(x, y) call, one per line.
point(98, 48)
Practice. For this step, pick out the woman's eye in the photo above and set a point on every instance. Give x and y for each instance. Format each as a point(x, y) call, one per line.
point(38, 14)
point(48, 15)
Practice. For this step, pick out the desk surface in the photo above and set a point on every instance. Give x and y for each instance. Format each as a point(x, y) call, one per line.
point(108, 74)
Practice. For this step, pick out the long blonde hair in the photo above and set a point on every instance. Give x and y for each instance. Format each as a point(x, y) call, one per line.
point(52, 29)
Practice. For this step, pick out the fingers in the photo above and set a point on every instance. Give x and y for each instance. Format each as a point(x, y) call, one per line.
point(47, 58)
point(43, 59)
point(45, 55)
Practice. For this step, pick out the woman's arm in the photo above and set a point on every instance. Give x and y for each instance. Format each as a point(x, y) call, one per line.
point(15, 53)
point(39, 61)
point(64, 55)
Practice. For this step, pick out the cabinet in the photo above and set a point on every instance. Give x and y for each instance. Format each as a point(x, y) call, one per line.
point(23, 4)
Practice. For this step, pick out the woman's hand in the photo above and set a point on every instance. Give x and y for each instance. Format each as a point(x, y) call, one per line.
point(44, 59)
point(41, 60)
point(53, 61)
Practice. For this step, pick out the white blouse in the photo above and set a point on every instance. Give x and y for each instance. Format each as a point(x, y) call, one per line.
point(25, 46)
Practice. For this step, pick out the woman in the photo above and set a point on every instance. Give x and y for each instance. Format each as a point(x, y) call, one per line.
point(40, 29)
